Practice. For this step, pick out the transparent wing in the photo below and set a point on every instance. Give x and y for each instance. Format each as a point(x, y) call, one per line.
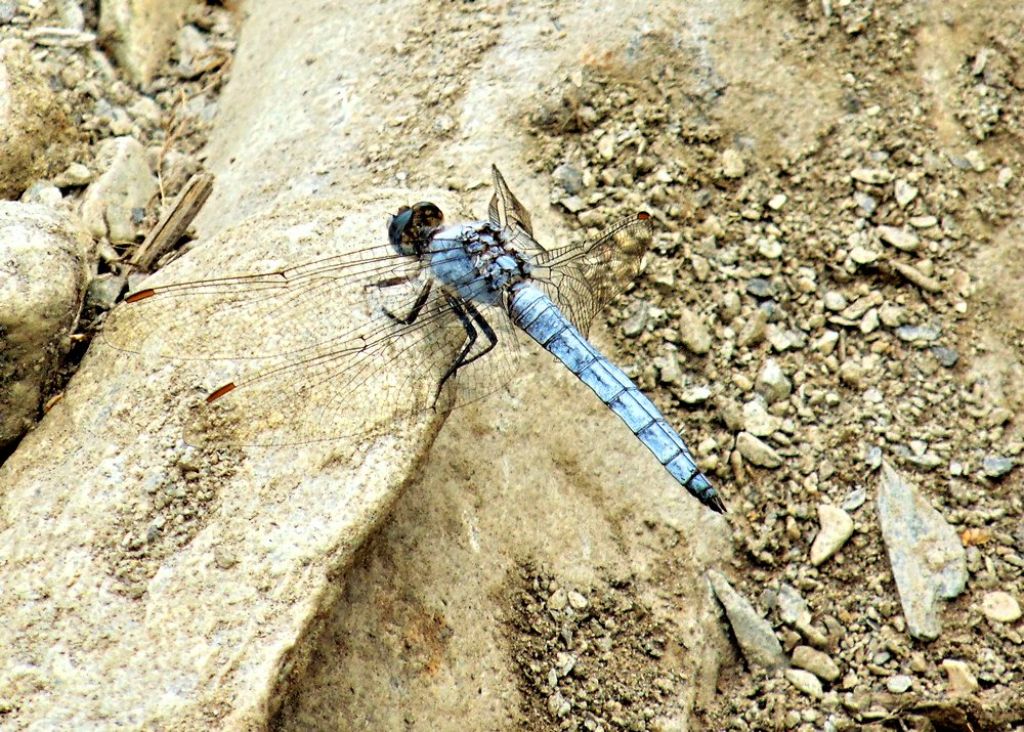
point(322, 348)
point(506, 210)
point(584, 279)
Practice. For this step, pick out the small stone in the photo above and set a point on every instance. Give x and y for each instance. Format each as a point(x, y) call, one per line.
point(572, 204)
point(869, 323)
point(732, 164)
point(863, 255)
point(891, 315)
point(836, 528)
point(754, 634)
point(867, 204)
point(873, 176)
point(606, 146)
point(569, 178)
point(757, 452)
point(915, 333)
point(917, 277)
point(1000, 607)
point(961, 682)
point(558, 600)
point(8, 9)
point(855, 499)
point(636, 321)
point(945, 356)
point(769, 248)
point(753, 331)
point(818, 663)
point(1004, 177)
point(834, 301)
point(695, 395)
point(923, 222)
point(75, 175)
point(826, 344)
point(693, 332)
point(577, 600)
point(899, 683)
point(760, 287)
point(805, 681)
point(757, 421)
point(996, 466)
point(669, 370)
point(977, 161)
point(852, 374)
point(43, 193)
point(905, 193)
point(772, 382)
point(906, 241)
point(793, 609)
point(777, 201)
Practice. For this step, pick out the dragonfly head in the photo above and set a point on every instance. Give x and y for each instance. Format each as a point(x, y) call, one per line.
point(410, 229)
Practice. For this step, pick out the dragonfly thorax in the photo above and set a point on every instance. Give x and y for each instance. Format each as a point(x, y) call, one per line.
point(477, 259)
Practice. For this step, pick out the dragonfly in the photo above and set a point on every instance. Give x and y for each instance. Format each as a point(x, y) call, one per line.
point(348, 344)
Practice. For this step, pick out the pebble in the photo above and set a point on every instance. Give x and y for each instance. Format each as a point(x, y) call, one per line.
point(606, 146)
point(805, 681)
point(760, 287)
point(827, 343)
point(863, 255)
point(923, 222)
point(126, 184)
point(695, 395)
point(558, 600)
point(899, 683)
point(44, 193)
point(926, 557)
point(777, 201)
point(961, 681)
point(74, 175)
point(905, 193)
point(915, 333)
point(754, 634)
point(669, 371)
point(756, 451)
point(577, 600)
point(854, 499)
point(757, 421)
point(906, 241)
point(1000, 607)
point(891, 315)
point(1004, 177)
point(917, 277)
point(873, 176)
point(976, 160)
point(693, 332)
point(867, 204)
point(836, 528)
point(772, 382)
point(818, 663)
point(945, 356)
point(636, 321)
point(754, 329)
point(793, 608)
point(572, 204)
point(8, 8)
point(732, 164)
point(569, 178)
point(834, 301)
point(996, 466)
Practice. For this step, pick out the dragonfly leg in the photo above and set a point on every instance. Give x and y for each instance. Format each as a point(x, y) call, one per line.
point(417, 306)
point(467, 314)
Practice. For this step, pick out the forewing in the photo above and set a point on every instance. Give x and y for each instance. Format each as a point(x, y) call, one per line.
point(584, 279)
point(505, 209)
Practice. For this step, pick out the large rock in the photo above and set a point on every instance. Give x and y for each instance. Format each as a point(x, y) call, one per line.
point(36, 136)
point(141, 32)
point(44, 271)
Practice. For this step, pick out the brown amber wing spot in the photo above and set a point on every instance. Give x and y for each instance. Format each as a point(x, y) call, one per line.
point(215, 395)
point(140, 295)
point(643, 216)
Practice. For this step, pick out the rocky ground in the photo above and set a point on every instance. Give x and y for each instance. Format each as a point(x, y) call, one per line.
point(831, 313)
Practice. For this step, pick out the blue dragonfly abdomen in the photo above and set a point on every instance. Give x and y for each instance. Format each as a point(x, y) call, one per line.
point(540, 318)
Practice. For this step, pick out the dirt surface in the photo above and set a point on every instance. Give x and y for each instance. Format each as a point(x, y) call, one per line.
point(770, 145)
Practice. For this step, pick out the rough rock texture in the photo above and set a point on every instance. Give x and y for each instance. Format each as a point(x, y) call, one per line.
point(177, 580)
point(141, 32)
point(35, 134)
point(926, 556)
point(124, 187)
point(43, 276)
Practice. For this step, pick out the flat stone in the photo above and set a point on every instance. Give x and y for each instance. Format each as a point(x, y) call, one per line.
point(1000, 607)
point(757, 421)
point(753, 633)
point(805, 681)
point(863, 255)
point(818, 663)
point(873, 176)
point(836, 528)
point(918, 333)
point(996, 466)
point(905, 193)
point(757, 452)
point(906, 241)
point(926, 557)
point(899, 683)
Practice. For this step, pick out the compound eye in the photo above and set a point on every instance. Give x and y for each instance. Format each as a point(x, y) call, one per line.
point(397, 227)
point(426, 215)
